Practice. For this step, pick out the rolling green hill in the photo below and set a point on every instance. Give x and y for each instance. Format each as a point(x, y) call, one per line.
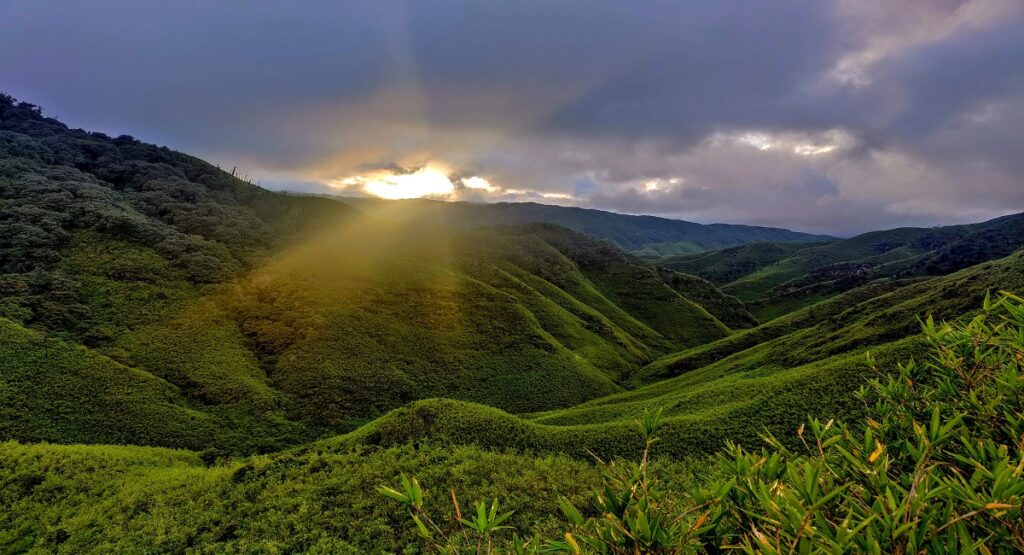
point(327, 335)
point(770, 377)
point(728, 309)
point(727, 265)
point(79, 498)
point(893, 243)
point(253, 321)
point(773, 279)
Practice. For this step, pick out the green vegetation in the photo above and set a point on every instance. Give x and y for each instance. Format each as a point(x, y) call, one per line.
point(940, 446)
point(728, 309)
point(102, 499)
point(938, 467)
point(774, 279)
point(189, 363)
point(752, 286)
point(767, 378)
point(728, 265)
point(261, 321)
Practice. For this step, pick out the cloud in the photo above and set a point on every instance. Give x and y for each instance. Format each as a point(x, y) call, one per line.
point(835, 116)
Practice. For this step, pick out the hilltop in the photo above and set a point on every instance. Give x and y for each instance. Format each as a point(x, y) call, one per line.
point(646, 236)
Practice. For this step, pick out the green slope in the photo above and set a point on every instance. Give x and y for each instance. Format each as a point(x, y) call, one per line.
point(111, 499)
point(728, 309)
point(499, 317)
point(938, 251)
point(769, 378)
point(755, 285)
point(269, 319)
point(53, 391)
point(727, 265)
point(361, 319)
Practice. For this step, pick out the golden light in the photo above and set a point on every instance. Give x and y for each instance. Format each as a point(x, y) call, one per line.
point(425, 182)
point(433, 181)
point(477, 182)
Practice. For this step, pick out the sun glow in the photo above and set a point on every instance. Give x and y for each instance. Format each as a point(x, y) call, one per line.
point(477, 182)
point(437, 182)
point(425, 182)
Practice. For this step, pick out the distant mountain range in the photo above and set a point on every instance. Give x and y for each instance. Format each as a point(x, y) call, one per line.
point(774, 278)
point(647, 236)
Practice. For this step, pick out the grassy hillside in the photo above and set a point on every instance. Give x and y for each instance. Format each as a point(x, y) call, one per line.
point(755, 285)
point(222, 315)
point(353, 323)
point(938, 251)
point(657, 251)
point(775, 279)
point(728, 309)
point(727, 265)
point(770, 377)
point(322, 498)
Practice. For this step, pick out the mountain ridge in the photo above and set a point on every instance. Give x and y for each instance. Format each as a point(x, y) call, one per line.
point(630, 232)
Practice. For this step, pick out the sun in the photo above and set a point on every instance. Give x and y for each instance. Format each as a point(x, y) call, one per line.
point(425, 182)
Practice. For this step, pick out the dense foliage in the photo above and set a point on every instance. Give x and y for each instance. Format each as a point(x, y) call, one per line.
point(110, 499)
point(56, 183)
point(937, 467)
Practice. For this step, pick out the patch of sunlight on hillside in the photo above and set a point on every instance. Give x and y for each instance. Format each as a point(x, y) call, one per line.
point(370, 260)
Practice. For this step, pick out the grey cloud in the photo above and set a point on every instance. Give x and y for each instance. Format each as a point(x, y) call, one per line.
point(588, 98)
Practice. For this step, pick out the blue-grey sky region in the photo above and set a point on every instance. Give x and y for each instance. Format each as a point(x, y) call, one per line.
point(833, 116)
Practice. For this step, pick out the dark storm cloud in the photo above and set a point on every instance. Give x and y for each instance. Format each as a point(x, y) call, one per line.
point(715, 66)
point(942, 81)
point(833, 116)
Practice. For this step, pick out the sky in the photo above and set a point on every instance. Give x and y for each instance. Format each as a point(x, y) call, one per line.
point(828, 116)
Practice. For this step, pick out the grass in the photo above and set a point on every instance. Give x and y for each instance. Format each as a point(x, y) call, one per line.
point(320, 497)
point(728, 265)
point(773, 284)
point(102, 499)
point(727, 309)
point(754, 286)
point(768, 378)
point(340, 329)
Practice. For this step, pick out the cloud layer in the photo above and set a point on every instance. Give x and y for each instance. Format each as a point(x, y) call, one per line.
point(828, 116)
